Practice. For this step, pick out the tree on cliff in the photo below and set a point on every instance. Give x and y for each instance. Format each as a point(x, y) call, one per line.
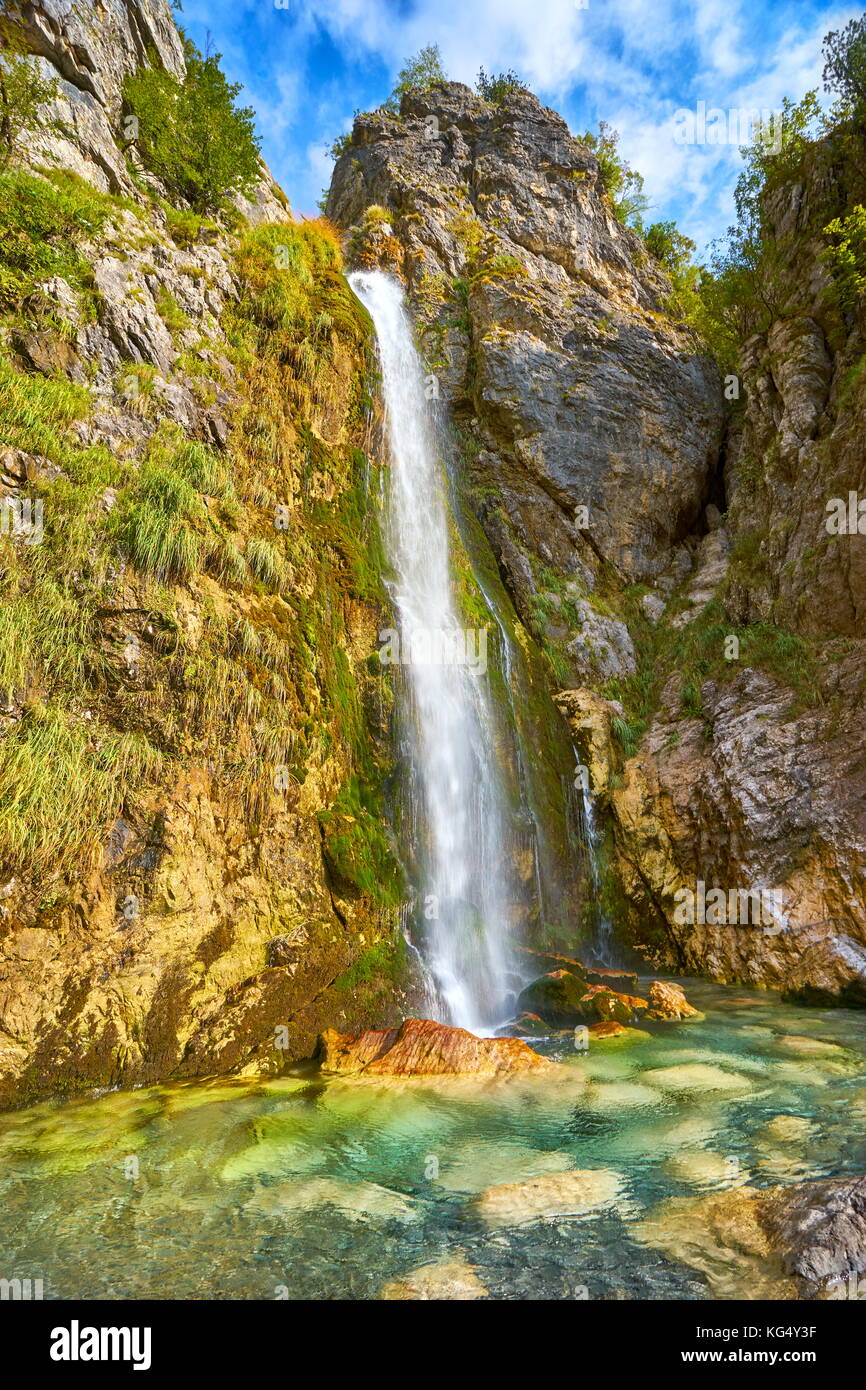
point(845, 66)
point(623, 184)
point(192, 134)
point(418, 74)
point(24, 91)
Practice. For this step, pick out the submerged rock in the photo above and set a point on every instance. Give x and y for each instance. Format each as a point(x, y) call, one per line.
point(452, 1278)
point(706, 1169)
point(695, 1076)
point(722, 1237)
point(789, 1129)
point(619, 1033)
point(420, 1047)
point(555, 1195)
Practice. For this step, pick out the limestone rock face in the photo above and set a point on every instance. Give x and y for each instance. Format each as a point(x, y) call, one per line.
point(821, 1228)
point(204, 933)
point(420, 1047)
point(766, 789)
point(91, 50)
point(544, 321)
point(767, 801)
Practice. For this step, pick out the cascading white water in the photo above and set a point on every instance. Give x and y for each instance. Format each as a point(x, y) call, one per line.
point(460, 812)
point(602, 944)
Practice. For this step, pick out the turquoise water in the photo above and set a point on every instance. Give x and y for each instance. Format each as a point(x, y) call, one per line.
point(329, 1189)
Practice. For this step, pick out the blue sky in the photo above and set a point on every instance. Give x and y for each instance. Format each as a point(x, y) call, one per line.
point(306, 65)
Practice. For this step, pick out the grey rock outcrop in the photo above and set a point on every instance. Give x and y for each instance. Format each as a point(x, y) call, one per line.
point(544, 319)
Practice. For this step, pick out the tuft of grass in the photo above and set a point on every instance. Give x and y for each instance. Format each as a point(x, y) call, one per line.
point(266, 562)
point(61, 782)
point(43, 222)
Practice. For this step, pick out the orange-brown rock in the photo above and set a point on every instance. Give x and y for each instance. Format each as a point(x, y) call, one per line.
point(607, 1030)
point(420, 1047)
point(669, 1001)
point(623, 981)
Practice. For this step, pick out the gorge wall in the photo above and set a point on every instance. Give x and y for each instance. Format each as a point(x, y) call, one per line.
point(639, 522)
point(196, 751)
point(198, 868)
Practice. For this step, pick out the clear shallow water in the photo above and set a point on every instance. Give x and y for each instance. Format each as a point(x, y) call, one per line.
point(332, 1188)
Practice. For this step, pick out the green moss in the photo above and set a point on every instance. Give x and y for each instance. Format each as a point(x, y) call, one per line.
point(356, 849)
point(386, 960)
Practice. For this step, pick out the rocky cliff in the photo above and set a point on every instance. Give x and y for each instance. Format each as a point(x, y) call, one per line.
point(197, 870)
point(641, 525)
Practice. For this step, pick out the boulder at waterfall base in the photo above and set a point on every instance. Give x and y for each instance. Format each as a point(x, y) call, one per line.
point(556, 997)
point(421, 1047)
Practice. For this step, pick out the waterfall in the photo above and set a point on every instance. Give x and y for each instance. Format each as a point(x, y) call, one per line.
point(602, 945)
point(460, 817)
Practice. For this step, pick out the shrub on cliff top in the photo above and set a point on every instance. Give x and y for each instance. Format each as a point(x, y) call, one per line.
point(845, 65)
point(497, 86)
point(420, 73)
point(191, 134)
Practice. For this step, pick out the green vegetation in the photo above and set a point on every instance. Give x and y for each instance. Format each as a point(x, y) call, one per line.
point(183, 226)
point(355, 845)
point(385, 960)
point(747, 283)
point(263, 684)
point(623, 185)
point(846, 255)
point(191, 134)
point(418, 74)
point(845, 68)
point(497, 86)
point(61, 781)
point(155, 522)
point(24, 91)
point(43, 222)
point(696, 653)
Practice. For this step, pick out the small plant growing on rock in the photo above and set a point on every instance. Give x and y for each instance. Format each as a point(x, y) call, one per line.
point(24, 92)
point(498, 86)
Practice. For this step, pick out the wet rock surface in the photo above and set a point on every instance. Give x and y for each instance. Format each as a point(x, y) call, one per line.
point(420, 1047)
